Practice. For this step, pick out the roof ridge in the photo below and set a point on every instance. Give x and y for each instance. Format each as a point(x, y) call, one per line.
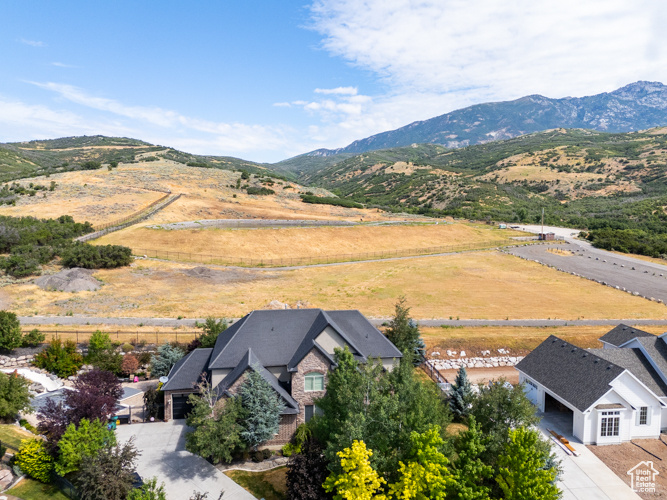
point(243, 319)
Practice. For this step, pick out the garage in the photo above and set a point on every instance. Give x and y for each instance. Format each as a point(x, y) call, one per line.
point(181, 406)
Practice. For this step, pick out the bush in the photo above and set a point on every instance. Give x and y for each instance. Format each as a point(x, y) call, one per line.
point(14, 395)
point(257, 456)
point(260, 190)
point(81, 442)
point(27, 426)
point(10, 331)
point(61, 359)
point(144, 358)
point(19, 266)
point(129, 365)
point(96, 257)
point(323, 200)
point(91, 165)
point(127, 347)
point(34, 460)
point(3, 450)
point(102, 353)
point(289, 449)
point(266, 453)
point(33, 338)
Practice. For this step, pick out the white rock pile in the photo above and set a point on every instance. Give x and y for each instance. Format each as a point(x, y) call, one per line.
point(15, 361)
point(459, 359)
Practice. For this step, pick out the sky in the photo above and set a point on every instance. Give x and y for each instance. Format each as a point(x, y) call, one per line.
point(266, 80)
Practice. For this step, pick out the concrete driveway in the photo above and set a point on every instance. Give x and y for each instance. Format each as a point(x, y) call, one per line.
point(163, 454)
point(584, 477)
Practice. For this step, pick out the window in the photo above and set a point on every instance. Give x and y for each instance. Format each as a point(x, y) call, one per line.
point(312, 410)
point(643, 415)
point(609, 424)
point(314, 382)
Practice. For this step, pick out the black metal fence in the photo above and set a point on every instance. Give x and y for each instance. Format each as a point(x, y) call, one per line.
point(66, 487)
point(323, 259)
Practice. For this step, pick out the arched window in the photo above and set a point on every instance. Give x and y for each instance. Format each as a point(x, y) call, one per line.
point(314, 382)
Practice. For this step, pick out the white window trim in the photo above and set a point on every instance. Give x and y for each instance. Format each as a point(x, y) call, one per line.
point(313, 376)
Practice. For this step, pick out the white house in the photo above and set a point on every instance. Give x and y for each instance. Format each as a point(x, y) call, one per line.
point(614, 394)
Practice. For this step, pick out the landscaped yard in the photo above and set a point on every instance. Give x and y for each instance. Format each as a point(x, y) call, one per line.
point(270, 484)
point(11, 435)
point(29, 489)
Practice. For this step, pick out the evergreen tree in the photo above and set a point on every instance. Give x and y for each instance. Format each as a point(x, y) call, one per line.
point(521, 474)
point(14, 395)
point(358, 480)
point(262, 408)
point(461, 396)
point(166, 358)
point(470, 472)
point(425, 475)
point(211, 329)
point(404, 332)
point(10, 331)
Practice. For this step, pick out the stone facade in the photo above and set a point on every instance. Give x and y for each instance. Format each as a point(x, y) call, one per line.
point(168, 404)
point(285, 431)
point(314, 361)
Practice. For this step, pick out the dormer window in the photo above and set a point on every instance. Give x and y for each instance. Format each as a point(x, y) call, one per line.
point(314, 382)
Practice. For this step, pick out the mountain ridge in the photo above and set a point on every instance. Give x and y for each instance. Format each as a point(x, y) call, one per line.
point(637, 106)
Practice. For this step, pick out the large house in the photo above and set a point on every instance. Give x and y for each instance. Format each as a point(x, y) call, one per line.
point(614, 394)
point(293, 350)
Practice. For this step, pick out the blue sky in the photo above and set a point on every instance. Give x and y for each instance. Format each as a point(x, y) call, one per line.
point(266, 80)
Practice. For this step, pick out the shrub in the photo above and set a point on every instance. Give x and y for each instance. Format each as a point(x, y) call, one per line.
point(34, 460)
point(309, 198)
point(14, 395)
point(259, 191)
point(257, 456)
point(33, 338)
point(266, 453)
point(10, 331)
point(27, 426)
point(289, 449)
point(154, 402)
point(144, 358)
point(91, 165)
point(61, 359)
point(19, 266)
point(102, 353)
point(129, 365)
point(80, 442)
point(96, 257)
point(127, 347)
point(3, 450)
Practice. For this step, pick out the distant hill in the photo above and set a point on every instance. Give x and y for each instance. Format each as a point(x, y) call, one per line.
point(582, 177)
point(45, 157)
point(637, 106)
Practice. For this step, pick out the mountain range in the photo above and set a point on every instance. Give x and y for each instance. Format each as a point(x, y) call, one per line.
point(637, 106)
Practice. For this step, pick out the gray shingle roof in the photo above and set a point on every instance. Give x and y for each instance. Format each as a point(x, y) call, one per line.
point(636, 363)
point(185, 373)
point(251, 362)
point(576, 375)
point(622, 334)
point(656, 349)
point(277, 336)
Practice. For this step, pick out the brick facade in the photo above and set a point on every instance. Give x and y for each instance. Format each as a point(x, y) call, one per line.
point(314, 361)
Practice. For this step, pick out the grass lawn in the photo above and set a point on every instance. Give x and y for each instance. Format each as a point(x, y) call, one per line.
point(11, 435)
point(270, 484)
point(29, 489)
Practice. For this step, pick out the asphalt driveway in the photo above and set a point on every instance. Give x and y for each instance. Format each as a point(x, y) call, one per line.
point(163, 454)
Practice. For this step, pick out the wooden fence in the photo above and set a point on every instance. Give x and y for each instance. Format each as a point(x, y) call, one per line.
point(124, 336)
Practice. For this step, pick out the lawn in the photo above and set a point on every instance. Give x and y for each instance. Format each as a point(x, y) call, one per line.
point(11, 435)
point(270, 484)
point(486, 285)
point(29, 489)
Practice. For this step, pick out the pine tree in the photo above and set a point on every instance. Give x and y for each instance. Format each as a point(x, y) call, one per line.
point(404, 332)
point(521, 474)
point(358, 481)
point(262, 408)
point(461, 395)
point(469, 470)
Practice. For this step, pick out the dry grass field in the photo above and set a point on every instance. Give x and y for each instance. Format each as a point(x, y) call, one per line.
point(518, 340)
point(303, 242)
point(488, 285)
point(101, 196)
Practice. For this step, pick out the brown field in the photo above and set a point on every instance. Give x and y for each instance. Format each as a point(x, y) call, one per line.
point(131, 334)
point(519, 340)
point(298, 243)
point(489, 285)
point(101, 196)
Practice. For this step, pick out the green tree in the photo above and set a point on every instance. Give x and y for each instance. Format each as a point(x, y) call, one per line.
point(32, 338)
point(358, 480)
point(61, 359)
point(14, 395)
point(149, 491)
point(34, 460)
point(216, 423)
point(521, 473)
point(211, 328)
point(469, 470)
point(425, 475)
point(81, 442)
point(461, 396)
point(167, 356)
point(109, 474)
point(10, 331)
point(404, 332)
point(262, 408)
point(102, 353)
point(499, 408)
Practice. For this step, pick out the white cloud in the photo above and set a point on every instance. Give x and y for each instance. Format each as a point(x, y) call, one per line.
point(338, 91)
point(32, 43)
point(62, 65)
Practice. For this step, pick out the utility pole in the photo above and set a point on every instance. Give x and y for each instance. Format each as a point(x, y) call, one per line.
point(543, 223)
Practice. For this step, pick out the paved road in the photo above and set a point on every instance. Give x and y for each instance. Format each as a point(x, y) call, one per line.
point(163, 454)
point(170, 322)
point(619, 271)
